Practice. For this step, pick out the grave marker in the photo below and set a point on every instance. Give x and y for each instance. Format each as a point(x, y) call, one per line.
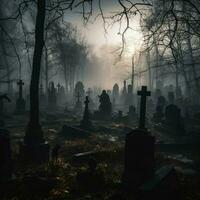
point(143, 93)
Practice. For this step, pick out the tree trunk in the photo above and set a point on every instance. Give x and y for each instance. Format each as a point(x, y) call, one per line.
point(34, 132)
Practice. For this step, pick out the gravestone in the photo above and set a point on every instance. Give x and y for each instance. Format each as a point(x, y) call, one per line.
point(139, 150)
point(20, 103)
point(139, 171)
point(86, 123)
point(173, 119)
point(5, 155)
point(105, 106)
point(79, 89)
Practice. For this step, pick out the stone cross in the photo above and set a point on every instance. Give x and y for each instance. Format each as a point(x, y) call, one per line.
point(20, 83)
point(86, 123)
point(143, 93)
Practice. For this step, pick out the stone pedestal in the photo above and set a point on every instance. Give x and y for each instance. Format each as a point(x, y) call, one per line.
point(139, 158)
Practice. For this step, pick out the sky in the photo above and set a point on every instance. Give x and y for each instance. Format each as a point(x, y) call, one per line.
point(94, 30)
point(100, 42)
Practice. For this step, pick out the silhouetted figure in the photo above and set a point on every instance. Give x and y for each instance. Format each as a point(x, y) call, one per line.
point(105, 107)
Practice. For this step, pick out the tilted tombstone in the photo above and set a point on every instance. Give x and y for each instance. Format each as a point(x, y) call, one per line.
point(5, 155)
point(20, 103)
point(139, 150)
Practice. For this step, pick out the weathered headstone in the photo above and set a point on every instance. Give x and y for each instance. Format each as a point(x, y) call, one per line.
point(20, 103)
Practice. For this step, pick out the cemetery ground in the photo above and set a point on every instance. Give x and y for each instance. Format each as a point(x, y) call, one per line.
point(68, 174)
